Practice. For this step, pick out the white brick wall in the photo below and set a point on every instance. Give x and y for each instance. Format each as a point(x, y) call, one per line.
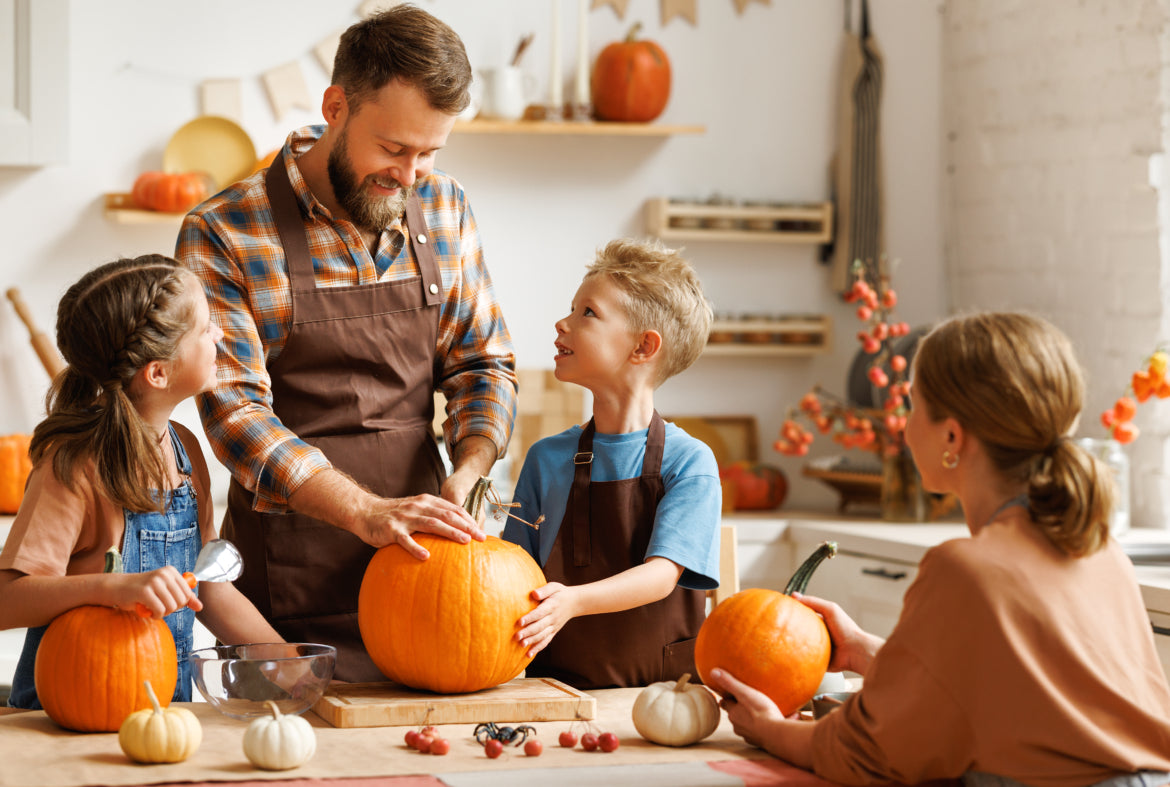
point(1053, 110)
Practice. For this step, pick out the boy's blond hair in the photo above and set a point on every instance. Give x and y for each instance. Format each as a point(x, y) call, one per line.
point(661, 293)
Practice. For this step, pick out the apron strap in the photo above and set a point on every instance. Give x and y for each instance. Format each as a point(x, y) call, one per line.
point(582, 465)
point(424, 251)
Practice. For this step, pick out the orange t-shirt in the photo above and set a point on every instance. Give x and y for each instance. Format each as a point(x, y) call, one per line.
point(1013, 659)
point(65, 530)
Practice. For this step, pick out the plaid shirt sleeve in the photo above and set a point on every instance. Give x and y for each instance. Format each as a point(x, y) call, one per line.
point(232, 243)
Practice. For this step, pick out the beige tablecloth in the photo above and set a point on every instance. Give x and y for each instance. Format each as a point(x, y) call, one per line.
point(35, 752)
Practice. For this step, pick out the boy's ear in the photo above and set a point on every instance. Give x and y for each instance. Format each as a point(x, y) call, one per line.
point(648, 346)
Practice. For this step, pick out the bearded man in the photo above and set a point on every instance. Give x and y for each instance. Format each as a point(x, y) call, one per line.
point(349, 282)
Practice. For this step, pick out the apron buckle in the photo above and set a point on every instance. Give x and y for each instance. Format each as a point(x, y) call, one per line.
point(583, 458)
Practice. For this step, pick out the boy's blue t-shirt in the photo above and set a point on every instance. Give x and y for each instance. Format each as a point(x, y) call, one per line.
point(686, 524)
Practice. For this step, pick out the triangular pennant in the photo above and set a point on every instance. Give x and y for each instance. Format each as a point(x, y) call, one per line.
point(286, 89)
point(618, 6)
point(326, 51)
point(221, 97)
point(740, 5)
point(683, 8)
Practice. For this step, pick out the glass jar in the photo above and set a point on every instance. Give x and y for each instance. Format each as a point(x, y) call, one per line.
point(1111, 453)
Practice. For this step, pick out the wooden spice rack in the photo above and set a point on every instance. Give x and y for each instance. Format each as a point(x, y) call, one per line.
point(798, 223)
point(772, 336)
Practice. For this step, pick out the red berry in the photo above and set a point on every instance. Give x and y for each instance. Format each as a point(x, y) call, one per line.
point(1125, 408)
point(864, 313)
point(589, 741)
point(608, 741)
point(411, 737)
point(568, 739)
point(1125, 432)
point(533, 748)
point(898, 363)
point(440, 746)
point(493, 749)
point(431, 730)
point(423, 743)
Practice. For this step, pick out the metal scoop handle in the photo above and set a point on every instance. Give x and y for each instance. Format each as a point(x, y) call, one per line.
point(218, 561)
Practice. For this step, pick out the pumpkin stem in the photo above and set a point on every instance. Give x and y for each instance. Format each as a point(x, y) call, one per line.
point(275, 709)
point(682, 682)
point(483, 490)
point(113, 561)
point(632, 36)
point(799, 581)
point(153, 699)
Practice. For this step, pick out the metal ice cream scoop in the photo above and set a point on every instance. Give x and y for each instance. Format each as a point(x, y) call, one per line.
point(218, 561)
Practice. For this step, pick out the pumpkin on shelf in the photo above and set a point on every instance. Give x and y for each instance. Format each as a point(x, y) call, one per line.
point(158, 734)
point(170, 192)
point(15, 466)
point(755, 486)
point(447, 623)
point(631, 80)
point(769, 640)
point(92, 662)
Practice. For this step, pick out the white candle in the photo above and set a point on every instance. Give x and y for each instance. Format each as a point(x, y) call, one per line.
point(555, 97)
point(581, 94)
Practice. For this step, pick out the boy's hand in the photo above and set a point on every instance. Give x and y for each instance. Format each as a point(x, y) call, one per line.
point(161, 591)
point(555, 607)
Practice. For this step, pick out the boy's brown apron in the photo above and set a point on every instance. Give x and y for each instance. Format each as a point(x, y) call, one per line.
point(355, 379)
point(606, 530)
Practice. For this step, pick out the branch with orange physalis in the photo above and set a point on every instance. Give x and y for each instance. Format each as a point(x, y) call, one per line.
point(1145, 383)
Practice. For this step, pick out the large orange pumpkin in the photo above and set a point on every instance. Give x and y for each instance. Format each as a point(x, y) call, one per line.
point(14, 469)
point(769, 640)
point(631, 80)
point(169, 192)
point(93, 661)
point(448, 623)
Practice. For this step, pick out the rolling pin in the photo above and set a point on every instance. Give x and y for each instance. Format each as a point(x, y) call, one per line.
point(40, 342)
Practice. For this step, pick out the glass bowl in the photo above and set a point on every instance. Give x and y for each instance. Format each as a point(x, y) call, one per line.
point(239, 680)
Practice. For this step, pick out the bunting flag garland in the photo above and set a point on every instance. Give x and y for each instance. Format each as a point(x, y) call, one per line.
point(326, 51)
point(221, 97)
point(618, 6)
point(286, 89)
point(684, 8)
point(740, 5)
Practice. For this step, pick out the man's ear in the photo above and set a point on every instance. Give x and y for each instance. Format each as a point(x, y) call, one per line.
point(647, 348)
point(334, 105)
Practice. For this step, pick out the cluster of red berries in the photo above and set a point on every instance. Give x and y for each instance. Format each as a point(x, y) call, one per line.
point(427, 741)
point(874, 309)
point(1147, 382)
point(591, 740)
point(493, 748)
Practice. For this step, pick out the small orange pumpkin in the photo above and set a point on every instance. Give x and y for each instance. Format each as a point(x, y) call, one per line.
point(631, 80)
point(266, 162)
point(769, 640)
point(169, 192)
point(92, 662)
point(757, 486)
point(15, 466)
point(448, 623)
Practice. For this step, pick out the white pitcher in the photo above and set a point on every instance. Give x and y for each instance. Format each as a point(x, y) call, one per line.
point(505, 92)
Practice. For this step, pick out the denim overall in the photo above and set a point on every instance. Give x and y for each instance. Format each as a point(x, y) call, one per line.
point(151, 540)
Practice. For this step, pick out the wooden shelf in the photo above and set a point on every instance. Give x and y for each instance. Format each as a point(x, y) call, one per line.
point(779, 336)
point(798, 223)
point(120, 208)
point(594, 128)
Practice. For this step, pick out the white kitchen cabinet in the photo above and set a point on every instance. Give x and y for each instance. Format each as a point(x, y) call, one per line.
point(1161, 623)
point(34, 81)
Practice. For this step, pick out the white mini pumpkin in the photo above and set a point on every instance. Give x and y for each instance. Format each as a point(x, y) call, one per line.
point(160, 734)
point(676, 713)
point(280, 742)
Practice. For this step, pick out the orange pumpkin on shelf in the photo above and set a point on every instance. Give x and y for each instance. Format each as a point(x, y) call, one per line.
point(14, 469)
point(92, 662)
point(758, 487)
point(170, 192)
point(446, 624)
point(631, 80)
point(266, 162)
point(769, 640)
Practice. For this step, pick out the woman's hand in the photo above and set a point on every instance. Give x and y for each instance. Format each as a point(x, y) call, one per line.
point(555, 607)
point(853, 648)
point(161, 591)
point(756, 719)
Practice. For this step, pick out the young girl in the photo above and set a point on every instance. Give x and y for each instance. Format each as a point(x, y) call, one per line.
point(111, 469)
point(1023, 653)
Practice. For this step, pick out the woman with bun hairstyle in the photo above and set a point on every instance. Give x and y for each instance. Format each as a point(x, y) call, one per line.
point(1023, 654)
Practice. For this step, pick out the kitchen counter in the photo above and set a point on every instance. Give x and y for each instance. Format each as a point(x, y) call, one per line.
point(35, 752)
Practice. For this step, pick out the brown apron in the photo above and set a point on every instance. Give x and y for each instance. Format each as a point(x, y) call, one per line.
point(355, 379)
point(606, 530)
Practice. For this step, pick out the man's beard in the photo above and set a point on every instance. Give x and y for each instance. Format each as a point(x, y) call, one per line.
point(368, 213)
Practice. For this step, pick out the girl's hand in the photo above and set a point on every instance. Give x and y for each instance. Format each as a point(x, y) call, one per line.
point(751, 713)
point(853, 648)
point(555, 608)
point(161, 591)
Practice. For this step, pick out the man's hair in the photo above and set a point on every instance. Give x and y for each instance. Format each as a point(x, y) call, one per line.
point(661, 292)
point(406, 43)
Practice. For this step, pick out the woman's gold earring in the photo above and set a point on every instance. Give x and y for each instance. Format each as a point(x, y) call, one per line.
point(950, 461)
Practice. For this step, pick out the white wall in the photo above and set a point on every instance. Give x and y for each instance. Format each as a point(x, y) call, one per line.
point(762, 83)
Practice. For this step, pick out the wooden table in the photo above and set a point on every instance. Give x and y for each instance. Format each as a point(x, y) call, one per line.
point(35, 752)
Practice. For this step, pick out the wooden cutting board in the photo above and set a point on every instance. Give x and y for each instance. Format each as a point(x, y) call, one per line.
point(394, 705)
